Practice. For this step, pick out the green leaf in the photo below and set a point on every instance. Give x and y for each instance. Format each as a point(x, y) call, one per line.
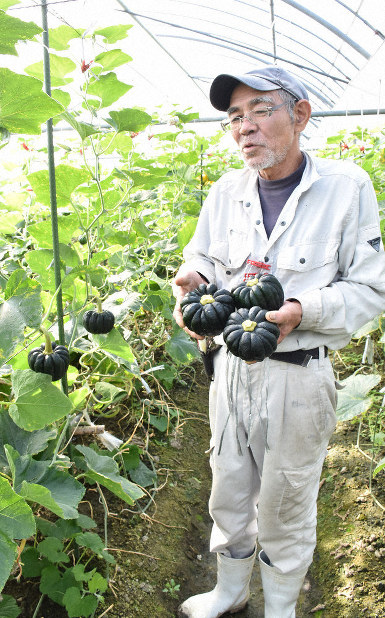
point(22, 307)
point(32, 562)
point(8, 552)
point(86, 522)
point(129, 120)
point(40, 262)
point(24, 442)
point(37, 482)
point(140, 228)
point(94, 542)
point(78, 606)
point(14, 30)
point(98, 583)
point(187, 117)
point(5, 4)
point(120, 303)
point(16, 517)
point(131, 458)
point(117, 348)
point(61, 529)
point(108, 88)
point(105, 471)
point(186, 232)
point(380, 466)
point(83, 128)
point(107, 393)
point(24, 105)
point(60, 36)
point(181, 348)
point(79, 395)
point(112, 34)
point(352, 399)
point(38, 402)
point(53, 584)
point(63, 97)
point(9, 221)
point(52, 548)
point(143, 476)
point(159, 422)
point(67, 179)
point(59, 67)
point(112, 59)
point(9, 607)
point(80, 573)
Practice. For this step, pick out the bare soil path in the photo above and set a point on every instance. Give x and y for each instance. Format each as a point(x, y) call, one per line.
point(347, 578)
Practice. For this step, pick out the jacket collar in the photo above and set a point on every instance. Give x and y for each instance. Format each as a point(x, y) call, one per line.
point(244, 189)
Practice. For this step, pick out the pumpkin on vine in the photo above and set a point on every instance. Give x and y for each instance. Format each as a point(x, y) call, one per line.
point(100, 321)
point(50, 358)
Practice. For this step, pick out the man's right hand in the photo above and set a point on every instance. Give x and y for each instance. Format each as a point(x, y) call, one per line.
point(182, 284)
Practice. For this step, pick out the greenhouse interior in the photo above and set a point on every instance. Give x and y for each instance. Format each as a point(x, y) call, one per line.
point(192, 308)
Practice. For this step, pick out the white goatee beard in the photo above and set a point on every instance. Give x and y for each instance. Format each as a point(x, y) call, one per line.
point(270, 159)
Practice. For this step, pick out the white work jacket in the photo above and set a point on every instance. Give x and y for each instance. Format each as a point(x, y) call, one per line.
point(325, 248)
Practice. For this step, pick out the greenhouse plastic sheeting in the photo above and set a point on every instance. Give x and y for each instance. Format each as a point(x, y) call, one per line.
point(179, 46)
point(325, 44)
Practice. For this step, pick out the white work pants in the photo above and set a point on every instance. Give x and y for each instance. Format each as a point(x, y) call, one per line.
point(270, 423)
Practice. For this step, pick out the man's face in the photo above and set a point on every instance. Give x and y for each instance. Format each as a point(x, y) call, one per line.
point(270, 146)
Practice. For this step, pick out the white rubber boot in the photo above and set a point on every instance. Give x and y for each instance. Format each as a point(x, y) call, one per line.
point(229, 595)
point(280, 591)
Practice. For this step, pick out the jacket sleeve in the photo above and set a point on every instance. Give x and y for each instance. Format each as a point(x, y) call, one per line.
point(358, 292)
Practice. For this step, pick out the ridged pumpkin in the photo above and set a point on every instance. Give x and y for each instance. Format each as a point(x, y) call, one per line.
point(49, 358)
point(98, 322)
point(249, 336)
point(264, 291)
point(205, 310)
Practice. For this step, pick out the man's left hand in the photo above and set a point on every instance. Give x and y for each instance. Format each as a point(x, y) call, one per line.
point(286, 318)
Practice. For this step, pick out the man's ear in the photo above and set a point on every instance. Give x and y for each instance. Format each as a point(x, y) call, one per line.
point(302, 113)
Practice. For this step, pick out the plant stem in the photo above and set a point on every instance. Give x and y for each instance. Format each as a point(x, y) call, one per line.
point(105, 507)
point(38, 606)
point(48, 342)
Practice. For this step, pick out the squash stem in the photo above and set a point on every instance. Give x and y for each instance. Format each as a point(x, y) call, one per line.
point(48, 342)
point(99, 305)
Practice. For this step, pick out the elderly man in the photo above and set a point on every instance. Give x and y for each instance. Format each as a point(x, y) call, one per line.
point(314, 224)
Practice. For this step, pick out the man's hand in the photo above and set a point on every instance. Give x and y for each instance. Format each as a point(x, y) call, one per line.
point(286, 318)
point(183, 284)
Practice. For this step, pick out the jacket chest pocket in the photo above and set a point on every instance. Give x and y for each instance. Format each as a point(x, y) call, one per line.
point(231, 252)
point(306, 257)
point(307, 266)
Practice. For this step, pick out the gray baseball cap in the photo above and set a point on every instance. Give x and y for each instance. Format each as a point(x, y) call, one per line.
point(270, 77)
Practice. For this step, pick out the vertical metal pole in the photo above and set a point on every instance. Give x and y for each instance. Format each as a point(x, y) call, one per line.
point(201, 165)
point(272, 16)
point(52, 185)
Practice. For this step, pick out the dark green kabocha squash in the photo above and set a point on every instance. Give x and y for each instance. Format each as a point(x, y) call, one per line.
point(205, 310)
point(50, 358)
point(248, 335)
point(264, 291)
point(98, 322)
